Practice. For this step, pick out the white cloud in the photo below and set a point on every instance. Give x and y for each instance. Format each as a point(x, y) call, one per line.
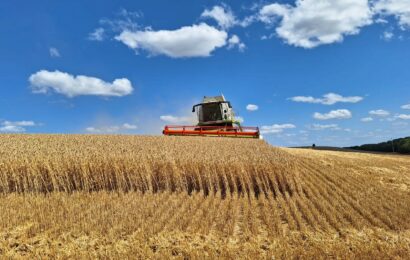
point(129, 126)
point(97, 35)
point(54, 52)
point(318, 127)
point(111, 129)
point(389, 119)
point(188, 41)
point(387, 35)
point(130, 14)
point(63, 83)
point(16, 126)
point(176, 119)
point(272, 12)
point(222, 15)
point(398, 8)
point(236, 41)
point(406, 106)
point(248, 20)
point(334, 114)
point(403, 116)
point(379, 112)
point(124, 20)
point(252, 107)
point(275, 129)
point(366, 119)
point(332, 127)
point(225, 18)
point(12, 129)
point(19, 123)
point(311, 23)
point(107, 129)
point(328, 99)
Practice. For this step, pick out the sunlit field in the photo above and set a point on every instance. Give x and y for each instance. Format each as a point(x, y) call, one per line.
point(73, 196)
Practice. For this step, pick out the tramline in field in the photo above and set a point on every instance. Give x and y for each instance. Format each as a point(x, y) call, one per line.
point(215, 118)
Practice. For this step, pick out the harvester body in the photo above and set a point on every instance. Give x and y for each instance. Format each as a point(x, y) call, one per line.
point(215, 118)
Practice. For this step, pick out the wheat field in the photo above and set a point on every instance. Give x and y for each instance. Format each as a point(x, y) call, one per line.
point(139, 197)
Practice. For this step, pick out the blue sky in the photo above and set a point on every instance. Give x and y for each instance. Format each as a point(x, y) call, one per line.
point(325, 72)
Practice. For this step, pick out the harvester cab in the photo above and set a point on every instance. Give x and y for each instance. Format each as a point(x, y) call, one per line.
point(215, 111)
point(215, 118)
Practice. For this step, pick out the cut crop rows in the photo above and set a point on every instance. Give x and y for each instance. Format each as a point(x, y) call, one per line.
point(227, 192)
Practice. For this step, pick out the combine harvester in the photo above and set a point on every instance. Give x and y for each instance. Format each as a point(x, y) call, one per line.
point(215, 118)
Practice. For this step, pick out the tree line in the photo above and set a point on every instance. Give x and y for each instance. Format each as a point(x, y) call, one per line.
point(400, 145)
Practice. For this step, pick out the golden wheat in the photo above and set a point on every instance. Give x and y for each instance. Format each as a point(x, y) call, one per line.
point(146, 164)
point(87, 196)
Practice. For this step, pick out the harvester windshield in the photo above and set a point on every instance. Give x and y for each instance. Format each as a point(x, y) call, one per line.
point(209, 112)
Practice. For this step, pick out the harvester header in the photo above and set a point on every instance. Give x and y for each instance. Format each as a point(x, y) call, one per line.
point(215, 118)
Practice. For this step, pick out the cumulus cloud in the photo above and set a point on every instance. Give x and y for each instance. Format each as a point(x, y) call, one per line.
point(398, 8)
point(387, 35)
point(327, 99)
point(276, 128)
point(54, 53)
point(111, 129)
point(310, 23)
point(12, 129)
point(366, 119)
point(223, 15)
point(389, 119)
point(97, 35)
point(334, 114)
point(123, 20)
point(188, 41)
point(16, 126)
point(176, 119)
point(252, 107)
point(406, 106)
point(379, 112)
point(129, 126)
point(19, 123)
point(403, 116)
point(235, 41)
point(63, 83)
point(318, 127)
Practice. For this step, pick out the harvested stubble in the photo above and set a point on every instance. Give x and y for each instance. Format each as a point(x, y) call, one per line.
point(160, 197)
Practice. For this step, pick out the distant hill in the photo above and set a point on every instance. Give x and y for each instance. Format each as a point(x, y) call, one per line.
point(401, 145)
